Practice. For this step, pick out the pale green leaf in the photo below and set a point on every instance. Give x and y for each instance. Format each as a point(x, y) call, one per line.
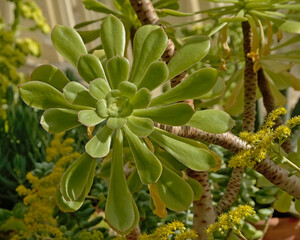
point(156, 74)
point(141, 127)
point(117, 70)
point(121, 210)
point(212, 121)
point(196, 187)
point(151, 50)
point(174, 191)
point(88, 36)
point(68, 43)
point(56, 120)
point(98, 7)
point(74, 180)
point(148, 166)
point(141, 99)
point(99, 145)
point(184, 150)
point(68, 206)
point(127, 89)
point(101, 108)
point(169, 161)
point(116, 122)
point(113, 37)
point(134, 182)
point(283, 203)
point(99, 88)
point(89, 118)
point(290, 26)
point(90, 68)
point(175, 13)
point(51, 75)
point(86, 23)
point(194, 86)
point(216, 91)
point(297, 205)
point(176, 114)
point(192, 52)
point(76, 94)
point(41, 95)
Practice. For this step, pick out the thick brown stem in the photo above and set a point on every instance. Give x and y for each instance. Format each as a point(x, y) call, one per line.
point(204, 214)
point(250, 85)
point(231, 191)
point(145, 11)
point(270, 104)
point(134, 234)
point(279, 177)
point(250, 82)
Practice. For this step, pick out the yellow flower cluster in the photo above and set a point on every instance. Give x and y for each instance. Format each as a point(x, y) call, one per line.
point(174, 230)
point(30, 10)
point(40, 197)
point(230, 220)
point(94, 235)
point(262, 142)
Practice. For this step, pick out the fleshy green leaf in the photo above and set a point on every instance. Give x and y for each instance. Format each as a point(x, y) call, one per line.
point(51, 75)
point(99, 88)
point(68, 206)
point(175, 13)
point(121, 211)
point(169, 161)
point(127, 89)
point(89, 118)
point(148, 166)
point(184, 150)
point(88, 36)
point(141, 127)
point(74, 180)
point(297, 205)
point(76, 94)
point(41, 95)
point(193, 51)
point(194, 86)
point(98, 7)
point(134, 182)
point(156, 74)
point(196, 187)
point(211, 120)
point(290, 26)
point(86, 23)
point(140, 36)
point(90, 67)
point(116, 122)
point(56, 120)
point(174, 191)
point(113, 37)
point(99, 145)
point(283, 203)
point(141, 99)
point(101, 108)
point(175, 115)
point(151, 50)
point(68, 43)
point(117, 70)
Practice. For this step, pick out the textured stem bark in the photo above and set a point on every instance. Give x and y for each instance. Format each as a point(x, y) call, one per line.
point(274, 173)
point(204, 214)
point(270, 104)
point(250, 82)
point(250, 85)
point(134, 234)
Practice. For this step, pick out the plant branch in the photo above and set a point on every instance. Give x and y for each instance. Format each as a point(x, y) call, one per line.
point(204, 214)
point(134, 234)
point(274, 173)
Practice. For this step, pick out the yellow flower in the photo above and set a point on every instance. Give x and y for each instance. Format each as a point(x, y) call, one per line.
point(230, 220)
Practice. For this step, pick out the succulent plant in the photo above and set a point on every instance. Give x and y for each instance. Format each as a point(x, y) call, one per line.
point(119, 103)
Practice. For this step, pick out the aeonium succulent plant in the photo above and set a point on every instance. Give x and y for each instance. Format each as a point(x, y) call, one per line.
point(118, 102)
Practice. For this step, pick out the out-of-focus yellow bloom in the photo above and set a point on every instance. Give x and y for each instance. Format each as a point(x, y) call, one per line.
point(40, 197)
